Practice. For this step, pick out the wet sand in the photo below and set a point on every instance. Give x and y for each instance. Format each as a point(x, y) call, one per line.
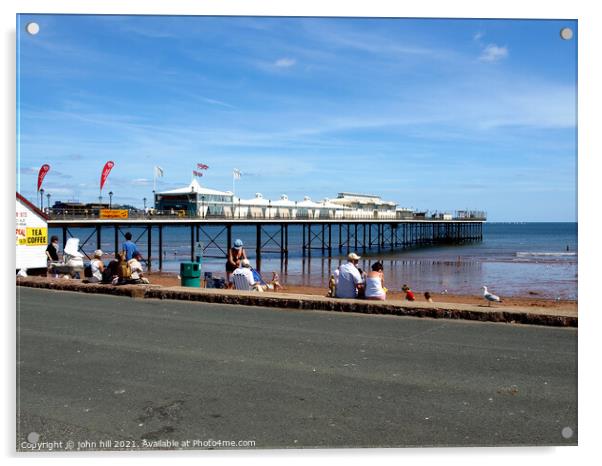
point(170, 279)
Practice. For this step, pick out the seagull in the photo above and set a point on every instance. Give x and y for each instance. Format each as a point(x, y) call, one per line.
point(490, 297)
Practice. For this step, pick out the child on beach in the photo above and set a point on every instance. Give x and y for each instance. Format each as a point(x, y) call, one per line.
point(332, 286)
point(275, 283)
point(427, 297)
point(409, 293)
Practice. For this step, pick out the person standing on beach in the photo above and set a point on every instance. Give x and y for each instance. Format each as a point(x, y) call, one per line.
point(235, 256)
point(129, 247)
point(350, 281)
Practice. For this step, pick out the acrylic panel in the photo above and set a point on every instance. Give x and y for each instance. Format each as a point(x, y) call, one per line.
point(435, 159)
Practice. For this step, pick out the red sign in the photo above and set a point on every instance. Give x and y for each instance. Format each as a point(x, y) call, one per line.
point(105, 173)
point(42, 173)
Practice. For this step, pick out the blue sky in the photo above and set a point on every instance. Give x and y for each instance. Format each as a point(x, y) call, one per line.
point(433, 114)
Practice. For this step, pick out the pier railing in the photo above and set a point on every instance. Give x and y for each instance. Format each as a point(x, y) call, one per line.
point(472, 216)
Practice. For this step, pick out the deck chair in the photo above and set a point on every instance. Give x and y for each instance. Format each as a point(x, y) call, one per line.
point(241, 283)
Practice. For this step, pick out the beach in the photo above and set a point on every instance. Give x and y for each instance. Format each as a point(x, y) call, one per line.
point(171, 279)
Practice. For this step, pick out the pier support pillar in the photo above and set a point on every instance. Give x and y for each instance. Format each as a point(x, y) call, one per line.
point(191, 243)
point(149, 259)
point(258, 250)
point(323, 239)
point(98, 237)
point(160, 247)
point(116, 239)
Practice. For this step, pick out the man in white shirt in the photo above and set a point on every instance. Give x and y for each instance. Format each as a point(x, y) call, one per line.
point(349, 279)
point(243, 277)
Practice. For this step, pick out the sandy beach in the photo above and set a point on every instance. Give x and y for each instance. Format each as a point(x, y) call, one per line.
point(170, 279)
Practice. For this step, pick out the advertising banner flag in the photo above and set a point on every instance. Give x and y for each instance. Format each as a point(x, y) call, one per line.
point(105, 173)
point(42, 173)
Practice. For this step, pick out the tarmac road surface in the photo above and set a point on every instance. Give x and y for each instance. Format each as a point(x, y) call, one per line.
point(139, 374)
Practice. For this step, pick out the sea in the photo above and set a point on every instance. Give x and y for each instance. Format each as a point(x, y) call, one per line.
point(513, 259)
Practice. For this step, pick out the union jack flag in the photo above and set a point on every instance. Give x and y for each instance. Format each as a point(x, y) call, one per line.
point(202, 166)
point(195, 173)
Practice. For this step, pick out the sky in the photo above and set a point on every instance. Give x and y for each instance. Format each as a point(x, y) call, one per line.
point(434, 114)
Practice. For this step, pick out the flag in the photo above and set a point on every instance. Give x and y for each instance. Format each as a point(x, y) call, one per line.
point(202, 166)
point(195, 173)
point(105, 173)
point(236, 174)
point(158, 171)
point(42, 173)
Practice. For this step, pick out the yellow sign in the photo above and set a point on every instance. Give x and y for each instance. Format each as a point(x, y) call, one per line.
point(35, 237)
point(113, 213)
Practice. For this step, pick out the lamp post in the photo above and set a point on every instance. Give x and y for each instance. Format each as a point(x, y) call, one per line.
point(110, 199)
point(144, 200)
point(42, 199)
point(203, 206)
point(48, 197)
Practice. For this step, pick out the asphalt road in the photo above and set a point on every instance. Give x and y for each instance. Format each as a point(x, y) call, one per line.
point(95, 368)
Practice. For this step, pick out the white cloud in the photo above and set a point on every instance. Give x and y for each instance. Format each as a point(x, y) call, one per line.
point(285, 62)
point(141, 182)
point(493, 53)
point(478, 36)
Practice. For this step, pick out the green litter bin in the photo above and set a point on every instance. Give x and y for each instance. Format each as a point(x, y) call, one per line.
point(190, 274)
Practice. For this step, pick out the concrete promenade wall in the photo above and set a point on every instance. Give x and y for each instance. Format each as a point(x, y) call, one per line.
point(531, 316)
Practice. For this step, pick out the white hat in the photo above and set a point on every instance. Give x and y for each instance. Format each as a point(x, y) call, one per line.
point(353, 257)
point(245, 263)
point(98, 253)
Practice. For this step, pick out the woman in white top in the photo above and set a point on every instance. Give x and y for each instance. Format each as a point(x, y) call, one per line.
point(97, 267)
point(375, 283)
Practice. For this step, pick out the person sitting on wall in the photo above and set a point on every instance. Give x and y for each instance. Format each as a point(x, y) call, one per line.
point(97, 267)
point(137, 273)
point(111, 271)
point(375, 283)
point(243, 278)
point(349, 283)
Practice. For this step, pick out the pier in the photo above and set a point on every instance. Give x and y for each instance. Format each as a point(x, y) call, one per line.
point(319, 236)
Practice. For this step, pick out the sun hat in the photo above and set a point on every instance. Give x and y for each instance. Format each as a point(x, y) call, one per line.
point(245, 263)
point(353, 257)
point(98, 253)
point(238, 244)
